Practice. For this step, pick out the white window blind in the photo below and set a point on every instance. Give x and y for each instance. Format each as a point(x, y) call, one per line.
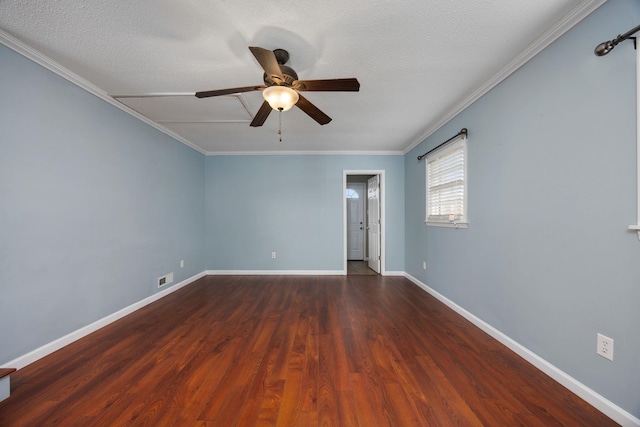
point(446, 185)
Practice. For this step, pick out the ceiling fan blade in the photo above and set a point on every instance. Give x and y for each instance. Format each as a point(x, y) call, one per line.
point(267, 60)
point(314, 112)
point(261, 115)
point(330, 85)
point(208, 93)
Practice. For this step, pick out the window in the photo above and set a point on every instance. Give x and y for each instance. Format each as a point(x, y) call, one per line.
point(352, 194)
point(447, 186)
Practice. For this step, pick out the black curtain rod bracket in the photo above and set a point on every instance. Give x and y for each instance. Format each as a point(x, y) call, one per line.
point(463, 131)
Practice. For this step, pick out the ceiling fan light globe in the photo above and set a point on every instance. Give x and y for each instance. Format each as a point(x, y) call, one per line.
point(280, 98)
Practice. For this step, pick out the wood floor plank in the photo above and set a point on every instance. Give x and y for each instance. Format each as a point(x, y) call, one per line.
point(205, 381)
point(310, 372)
point(227, 413)
point(248, 412)
point(327, 393)
point(369, 413)
point(233, 388)
point(309, 418)
point(444, 404)
point(284, 350)
point(347, 409)
point(270, 405)
point(406, 411)
point(290, 405)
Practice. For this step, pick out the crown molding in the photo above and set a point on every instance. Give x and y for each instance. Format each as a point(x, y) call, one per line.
point(549, 36)
point(30, 53)
point(304, 153)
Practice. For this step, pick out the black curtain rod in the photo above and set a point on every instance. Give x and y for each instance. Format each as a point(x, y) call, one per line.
point(606, 47)
point(463, 131)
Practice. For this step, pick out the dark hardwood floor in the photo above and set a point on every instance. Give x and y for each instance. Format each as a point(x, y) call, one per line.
point(308, 351)
point(359, 267)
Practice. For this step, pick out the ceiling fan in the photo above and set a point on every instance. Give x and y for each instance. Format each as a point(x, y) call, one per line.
point(281, 87)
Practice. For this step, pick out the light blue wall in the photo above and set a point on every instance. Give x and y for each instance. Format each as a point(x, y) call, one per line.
point(292, 205)
point(547, 258)
point(94, 206)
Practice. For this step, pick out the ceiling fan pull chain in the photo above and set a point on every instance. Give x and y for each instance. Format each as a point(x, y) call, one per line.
point(280, 124)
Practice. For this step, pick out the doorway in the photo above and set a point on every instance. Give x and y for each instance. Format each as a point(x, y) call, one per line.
point(363, 202)
point(356, 195)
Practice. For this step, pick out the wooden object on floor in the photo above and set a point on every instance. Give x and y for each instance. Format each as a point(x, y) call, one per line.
point(6, 371)
point(286, 351)
point(5, 382)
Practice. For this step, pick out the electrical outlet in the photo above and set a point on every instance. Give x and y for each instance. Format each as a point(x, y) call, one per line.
point(181, 263)
point(424, 265)
point(273, 255)
point(605, 347)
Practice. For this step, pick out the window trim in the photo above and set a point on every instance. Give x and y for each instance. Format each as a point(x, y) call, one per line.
point(463, 222)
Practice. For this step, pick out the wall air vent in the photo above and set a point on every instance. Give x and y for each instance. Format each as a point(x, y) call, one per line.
point(165, 280)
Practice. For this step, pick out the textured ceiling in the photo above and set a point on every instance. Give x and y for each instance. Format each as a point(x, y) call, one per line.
point(417, 61)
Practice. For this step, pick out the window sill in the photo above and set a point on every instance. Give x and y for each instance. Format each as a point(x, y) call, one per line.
point(462, 224)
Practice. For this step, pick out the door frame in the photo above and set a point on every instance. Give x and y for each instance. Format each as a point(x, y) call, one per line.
point(380, 173)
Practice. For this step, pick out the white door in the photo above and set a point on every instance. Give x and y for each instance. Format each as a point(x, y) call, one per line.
point(373, 223)
point(355, 220)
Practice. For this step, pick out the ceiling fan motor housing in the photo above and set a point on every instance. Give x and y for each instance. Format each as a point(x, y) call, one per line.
point(288, 73)
point(282, 56)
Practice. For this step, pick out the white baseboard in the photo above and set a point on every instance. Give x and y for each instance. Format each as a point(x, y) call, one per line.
point(596, 400)
point(275, 272)
point(49, 348)
point(290, 273)
point(394, 273)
